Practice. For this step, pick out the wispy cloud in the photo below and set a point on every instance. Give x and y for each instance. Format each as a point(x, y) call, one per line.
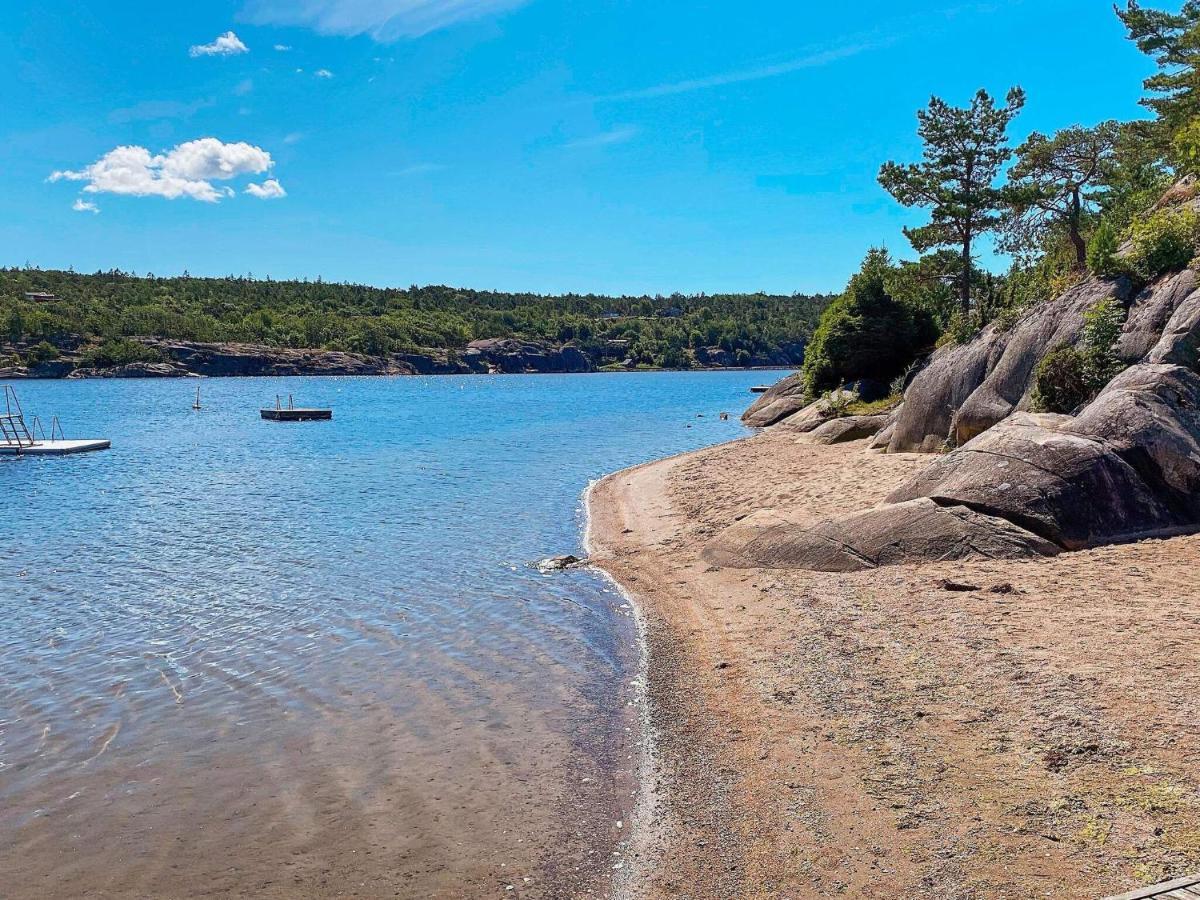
point(383, 20)
point(621, 135)
point(419, 169)
point(152, 110)
point(283, 48)
point(323, 73)
point(81, 205)
point(293, 137)
point(757, 73)
point(228, 44)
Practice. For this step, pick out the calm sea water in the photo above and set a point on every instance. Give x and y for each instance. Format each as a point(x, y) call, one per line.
point(312, 658)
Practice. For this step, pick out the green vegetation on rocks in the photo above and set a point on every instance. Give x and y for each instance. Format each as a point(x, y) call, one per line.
point(676, 331)
point(865, 333)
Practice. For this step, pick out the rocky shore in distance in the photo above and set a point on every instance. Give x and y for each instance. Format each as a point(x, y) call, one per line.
point(178, 359)
point(187, 358)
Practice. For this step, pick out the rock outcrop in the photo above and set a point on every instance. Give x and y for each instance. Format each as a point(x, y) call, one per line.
point(236, 359)
point(783, 399)
point(1127, 467)
point(846, 428)
point(920, 530)
point(964, 390)
point(515, 357)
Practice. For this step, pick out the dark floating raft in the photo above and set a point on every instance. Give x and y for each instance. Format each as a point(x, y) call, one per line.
point(293, 413)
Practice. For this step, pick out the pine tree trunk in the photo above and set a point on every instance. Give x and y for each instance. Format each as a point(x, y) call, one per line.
point(1076, 238)
point(964, 288)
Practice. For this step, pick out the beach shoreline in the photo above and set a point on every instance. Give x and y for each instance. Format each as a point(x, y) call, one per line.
point(875, 733)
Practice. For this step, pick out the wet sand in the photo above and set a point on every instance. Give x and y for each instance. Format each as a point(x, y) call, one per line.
point(877, 735)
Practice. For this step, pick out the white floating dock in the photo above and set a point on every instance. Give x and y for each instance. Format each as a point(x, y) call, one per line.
point(19, 439)
point(52, 448)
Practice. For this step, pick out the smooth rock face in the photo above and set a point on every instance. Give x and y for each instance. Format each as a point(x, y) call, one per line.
point(847, 428)
point(1150, 416)
point(783, 399)
point(1128, 467)
point(1068, 488)
point(906, 532)
point(965, 390)
point(1151, 310)
point(1179, 343)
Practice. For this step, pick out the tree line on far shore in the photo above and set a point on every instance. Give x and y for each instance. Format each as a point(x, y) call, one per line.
point(104, 309)
point(1061, 210)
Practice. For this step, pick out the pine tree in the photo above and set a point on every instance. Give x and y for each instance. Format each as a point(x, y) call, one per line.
point(965, 148)
point(1056, 181)
point(1173, 40)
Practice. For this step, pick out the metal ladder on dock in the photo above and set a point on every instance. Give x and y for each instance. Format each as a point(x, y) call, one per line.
point(14, 433)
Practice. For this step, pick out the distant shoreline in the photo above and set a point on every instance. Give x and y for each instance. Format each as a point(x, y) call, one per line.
point(159, 358)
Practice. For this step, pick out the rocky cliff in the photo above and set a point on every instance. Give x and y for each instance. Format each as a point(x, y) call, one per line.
point(1013, 482)
point(184, 358)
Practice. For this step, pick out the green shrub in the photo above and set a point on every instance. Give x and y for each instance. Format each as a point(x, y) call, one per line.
point(1102, 252)
point(1163, 242)
point(959, 330)
point(41, 352)
point(1101, 331)
point(1059, 381)
point(864, 334)
point(1068, 376)
point(119, 352)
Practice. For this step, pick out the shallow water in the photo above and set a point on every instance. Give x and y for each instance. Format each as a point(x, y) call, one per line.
point(244, 656)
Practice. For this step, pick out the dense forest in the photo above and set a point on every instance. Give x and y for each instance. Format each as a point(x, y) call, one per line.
point(671, 332)
point(1114, 200)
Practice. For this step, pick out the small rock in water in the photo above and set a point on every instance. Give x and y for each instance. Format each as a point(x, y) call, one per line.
point(558, 563)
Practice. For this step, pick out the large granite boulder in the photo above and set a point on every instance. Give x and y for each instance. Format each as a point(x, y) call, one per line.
point(782, 399)
point(905, 532)
point(846, 428)
point(964, 390)
point(1127, 467)
point(1149, 313)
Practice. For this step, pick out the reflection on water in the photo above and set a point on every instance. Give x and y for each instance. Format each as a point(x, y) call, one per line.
point(238, 655)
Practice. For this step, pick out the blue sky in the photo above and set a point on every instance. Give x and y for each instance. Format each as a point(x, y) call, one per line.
point(543, 145)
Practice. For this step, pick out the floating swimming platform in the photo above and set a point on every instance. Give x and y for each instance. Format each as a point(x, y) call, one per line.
point(19, 439)
point(293, 413)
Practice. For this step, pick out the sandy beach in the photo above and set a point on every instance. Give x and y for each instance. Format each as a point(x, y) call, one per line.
point(954, 730)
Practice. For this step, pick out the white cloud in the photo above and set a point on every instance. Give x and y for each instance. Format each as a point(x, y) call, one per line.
point(270, 189)
point(383, 20)
point(186, 170)
point(620, 135)
point(282, 48)
point(81, 205)
point(323, 73)
point(243, 87)
point(228, 44)
point(293, 137)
